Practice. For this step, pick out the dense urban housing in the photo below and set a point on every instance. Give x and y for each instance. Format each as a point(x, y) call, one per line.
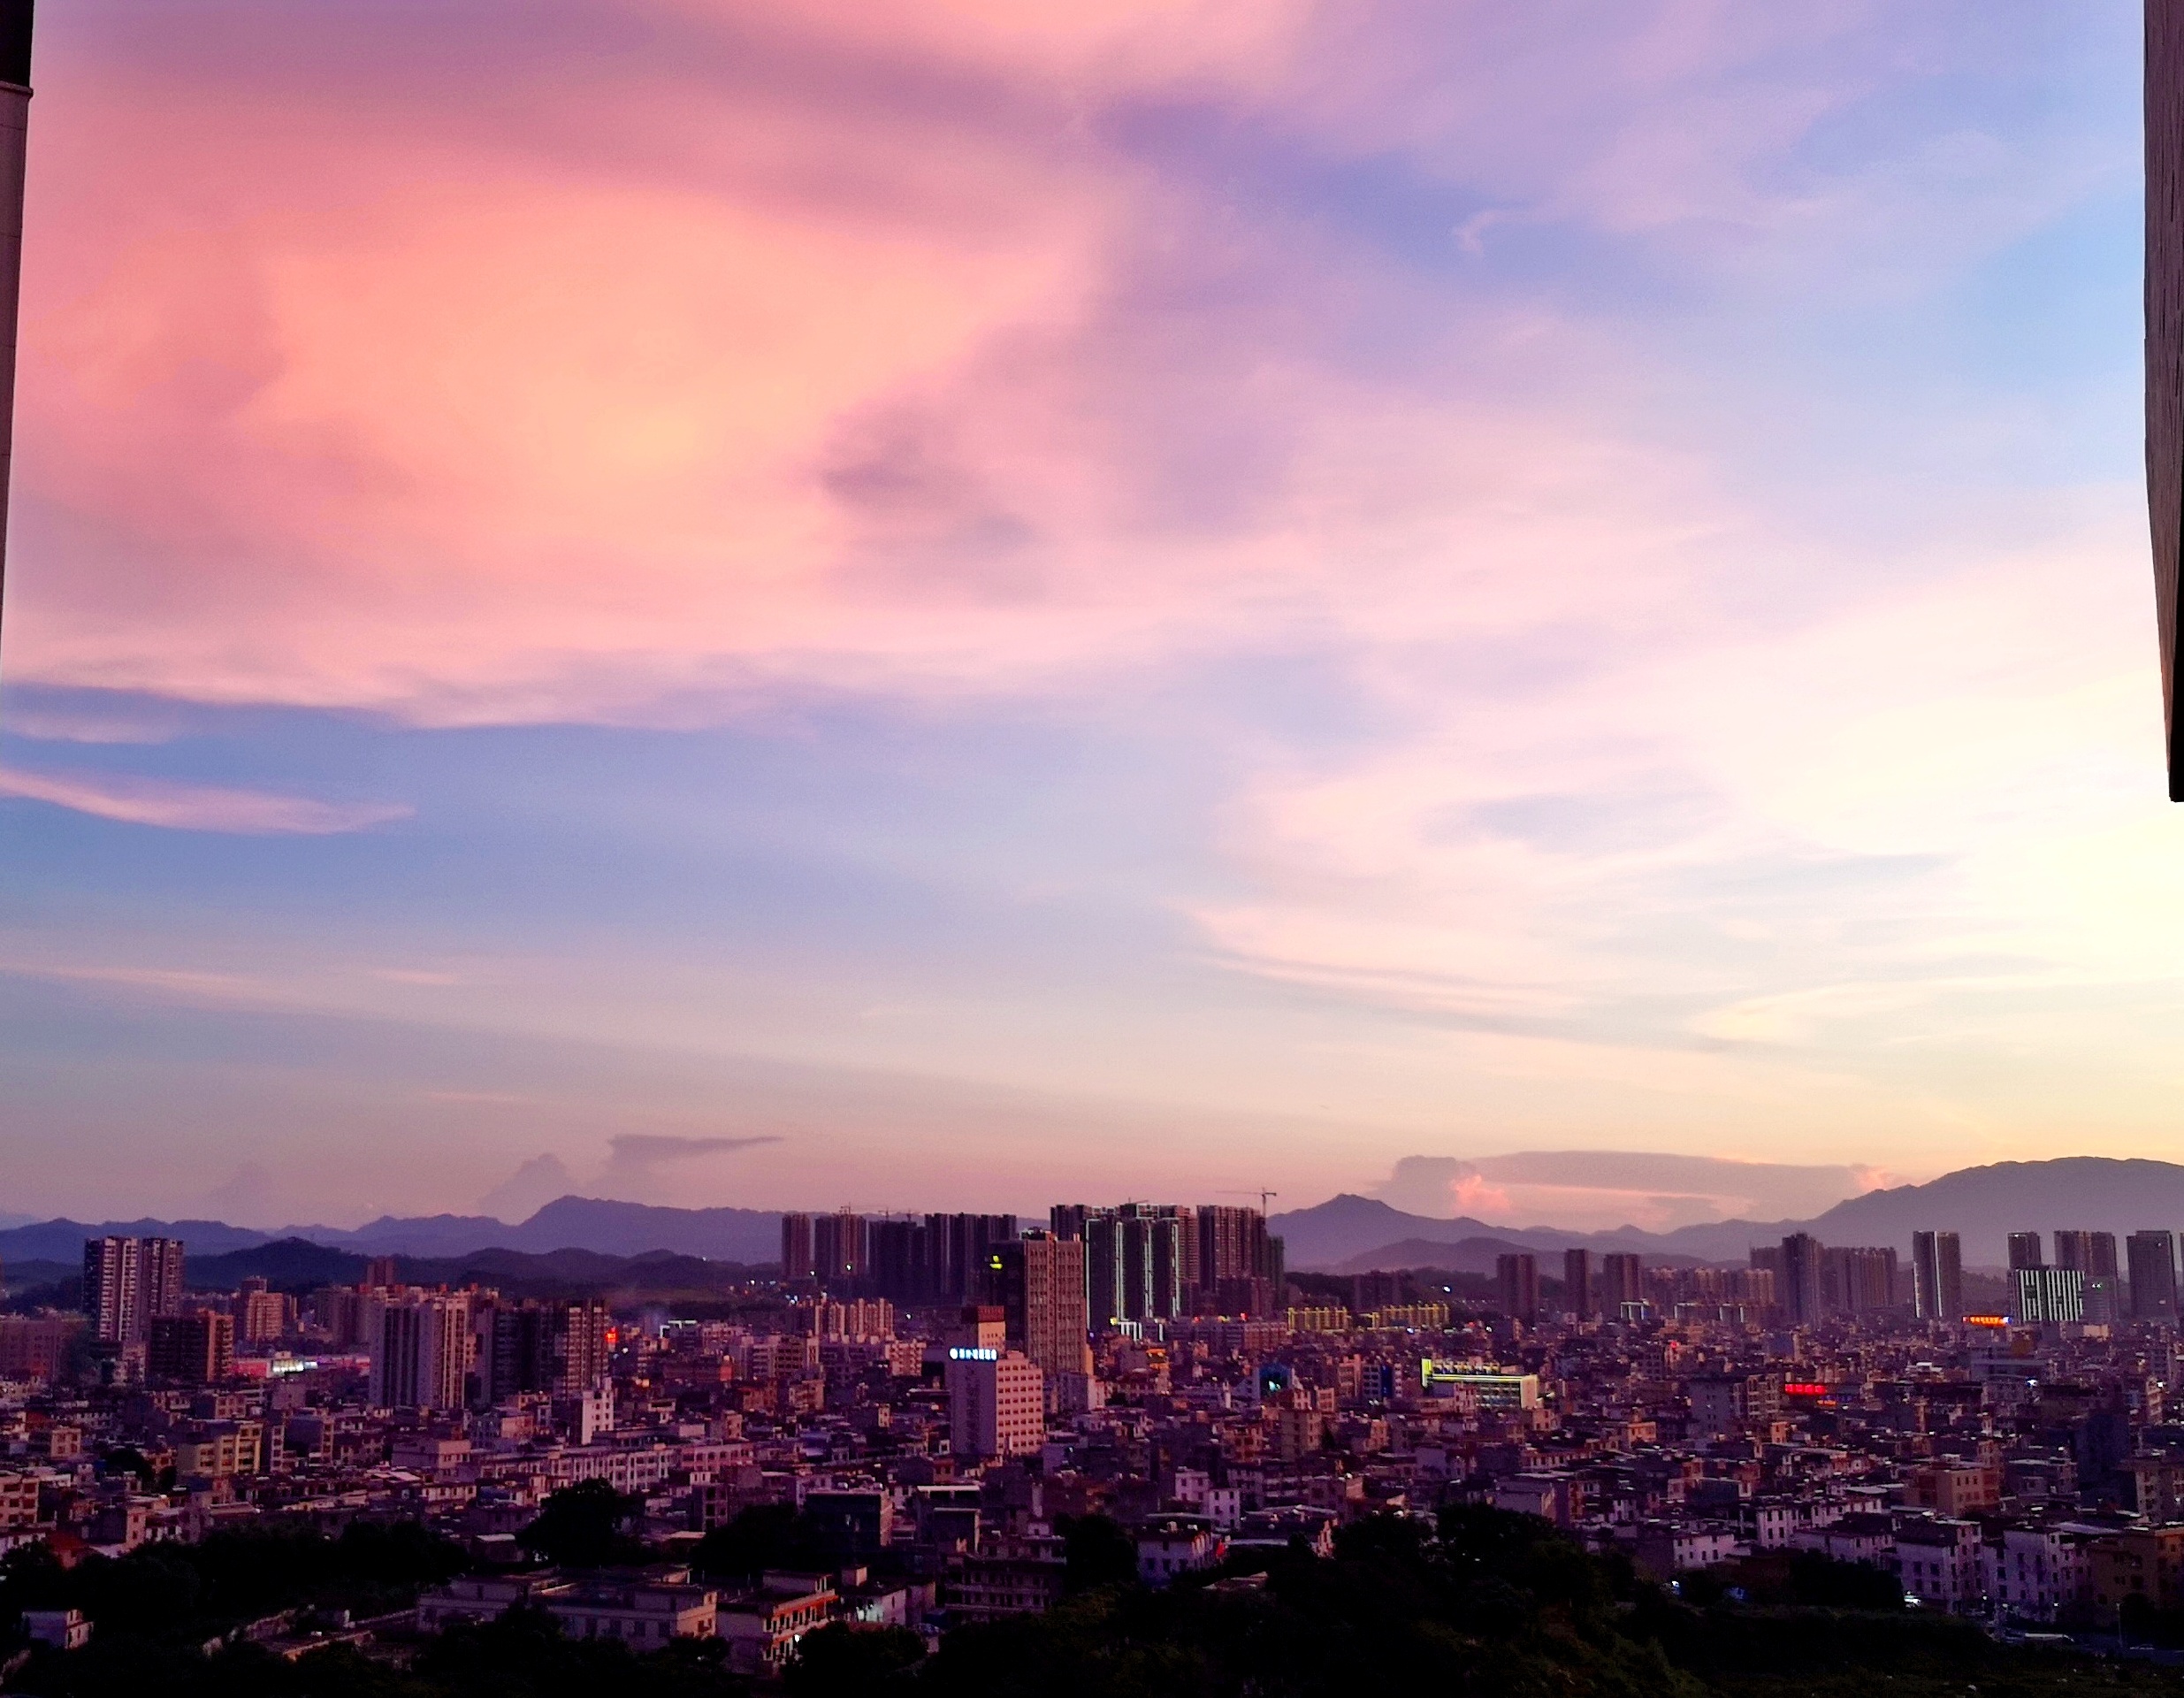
point(935, 1402)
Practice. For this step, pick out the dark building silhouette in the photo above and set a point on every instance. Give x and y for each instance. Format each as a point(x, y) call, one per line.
point(530, 1346)
point(1857, 1279)
point(2165, 341)
point(940, 1258)
point(197, 1348)
point(956, 1248)
point(796, 1248)
point(1623, 1280)
point(2151, 1257)
point(1518, 1277)
point(1937, 1276)
point(1577, 1283)
point(838, 1250)
point(1803, 1297)
point(15, 17)
point(1238, 1269)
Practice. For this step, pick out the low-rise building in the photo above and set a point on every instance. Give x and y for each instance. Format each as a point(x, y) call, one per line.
point(1938, 1562)
point(762, 1626)
point(1007, 1574)
point(19, 1500)
point(645, 1612)
point(646, 1608)
point(1176, 1544)
point(1859, 1536)
point(1665, 1548)
point(1286, 1527)
point(2145, 1562)
point(1955, 1488)
point(2040, 1573)
point(1554, 1496)
point(64, 1630)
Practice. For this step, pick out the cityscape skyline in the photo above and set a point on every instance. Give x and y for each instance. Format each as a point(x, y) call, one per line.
point(1524, 1189)
point(1230, 847)
point(906, 1426)
point(1932, 1236)
point(1547, 1194)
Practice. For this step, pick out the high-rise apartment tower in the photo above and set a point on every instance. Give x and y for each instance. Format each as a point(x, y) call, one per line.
point(1623, 1280)
point(128, 1283)
point(1802, 1297)
point(1040, 1281)
point(1577, 1283)
point(1516, 1277)
point(839, 1250)
point(796, 1248)
point(421, 1354)
point(194, 1349)
point(2151, 1258)
point(1937, 1276)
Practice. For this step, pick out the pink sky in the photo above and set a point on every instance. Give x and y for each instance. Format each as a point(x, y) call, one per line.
point(1582, 564)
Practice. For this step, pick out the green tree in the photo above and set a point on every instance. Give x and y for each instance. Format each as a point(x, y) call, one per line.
point(127, 1459)
point(765, 1535)
point(1097, 1552)
point(584, 1526)
point(1817, 1578)
point(843, 1660)
point(524, 1655)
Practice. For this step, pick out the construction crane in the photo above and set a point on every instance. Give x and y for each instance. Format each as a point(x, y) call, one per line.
point(1263, 1196)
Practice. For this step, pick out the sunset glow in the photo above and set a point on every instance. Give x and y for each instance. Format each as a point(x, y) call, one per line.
point(983, 602)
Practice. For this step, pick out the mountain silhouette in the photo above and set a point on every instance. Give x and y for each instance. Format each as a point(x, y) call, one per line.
point(1982, 1204)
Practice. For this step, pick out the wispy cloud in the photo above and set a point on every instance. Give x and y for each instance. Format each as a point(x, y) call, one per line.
point(1607, 1188)
point(141, 727)
point(636, 1160)
point(529, 1188)
point(195, 808)
point(1551, 574)
point(181, 984)
point(949, 386)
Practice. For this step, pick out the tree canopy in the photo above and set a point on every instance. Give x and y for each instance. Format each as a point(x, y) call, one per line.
point(584, 1526)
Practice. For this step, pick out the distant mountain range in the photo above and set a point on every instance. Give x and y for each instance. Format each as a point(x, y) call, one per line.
point(298, 1265)
point(591, 1223)
point(1475, 1256)
point(1350, 1234)
point(1347, 1234)
point(578, 1223)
